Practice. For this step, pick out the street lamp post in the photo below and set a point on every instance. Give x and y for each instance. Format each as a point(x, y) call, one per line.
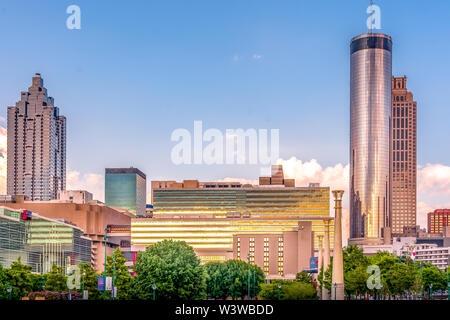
point(104, 277)
point(114, 275)
point(381, 291)
point(9, 290)
point(254, 282)
point(84, 274)
point(248, 258)
point(335, 290)
point(279, 289)
point(448, 285)
point(43, 283)
point(154, 291)
point(431, 291)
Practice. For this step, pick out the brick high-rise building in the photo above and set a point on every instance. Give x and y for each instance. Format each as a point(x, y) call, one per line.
point(437, 220)
point(403, 157)
point(36, 145)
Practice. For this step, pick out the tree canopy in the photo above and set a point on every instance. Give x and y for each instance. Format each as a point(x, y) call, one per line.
point(174, 268)
point(230, 279)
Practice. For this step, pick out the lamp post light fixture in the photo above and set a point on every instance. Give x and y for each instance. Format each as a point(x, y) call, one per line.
point(104, 277)
point(9, 290)
point(335, 290)
point(154, 291)
point(431, 291)
point(448, 285)
point(114, 275)
point(279, 291)
point(43, 283)
point(254, 282)
point(248, 259)
point(84, 275)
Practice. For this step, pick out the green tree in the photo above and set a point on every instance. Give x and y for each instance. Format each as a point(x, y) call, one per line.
point(3, 283)
point(56, 280)
point(356, 281)
point(432, 275)
point(235, 279)
point(399, 278)
point(90, 282)
point(123, 276)
point(299, 291)
point(38, 281)
point(304, 277)
point(18, 276)
point(175, 269)
point(214, 284)
point(290, 290)
point(230, 279)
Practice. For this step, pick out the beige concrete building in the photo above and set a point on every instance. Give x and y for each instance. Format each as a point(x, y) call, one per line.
point(403, 157)
point(36, 145)
point(75, 196)
point(92, 218)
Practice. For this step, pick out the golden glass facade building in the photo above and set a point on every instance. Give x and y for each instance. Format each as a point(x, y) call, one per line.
point(40, 242)
point(263, 209)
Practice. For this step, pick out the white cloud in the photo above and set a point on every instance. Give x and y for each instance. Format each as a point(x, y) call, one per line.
point(434, 179)
point(337, 178)
point(433, 184)
point(92, 182)
point(257, 56)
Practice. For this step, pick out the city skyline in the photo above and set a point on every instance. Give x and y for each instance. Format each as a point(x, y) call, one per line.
point(244, 64)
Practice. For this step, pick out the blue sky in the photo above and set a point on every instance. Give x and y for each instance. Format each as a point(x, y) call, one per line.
point(137, 70)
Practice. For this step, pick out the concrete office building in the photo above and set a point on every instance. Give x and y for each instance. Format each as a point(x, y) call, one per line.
point(404, 157)
point(39, 241)
point(75, 196)
point(36, 161)
point(430, 253)
point(92, 218)
point(370, 128)
point(126, 188)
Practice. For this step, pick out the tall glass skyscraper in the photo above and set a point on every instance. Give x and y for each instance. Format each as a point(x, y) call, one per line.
point(126, 188)
point(36, 145)
point(370, 127)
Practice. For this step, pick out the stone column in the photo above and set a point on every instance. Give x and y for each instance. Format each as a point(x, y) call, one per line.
point(326, 256)
point(337, 284)
point(320, 259)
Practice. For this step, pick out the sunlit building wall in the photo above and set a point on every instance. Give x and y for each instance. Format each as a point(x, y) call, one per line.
point(277, 204)
point(281, 248)
point(40, 242)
